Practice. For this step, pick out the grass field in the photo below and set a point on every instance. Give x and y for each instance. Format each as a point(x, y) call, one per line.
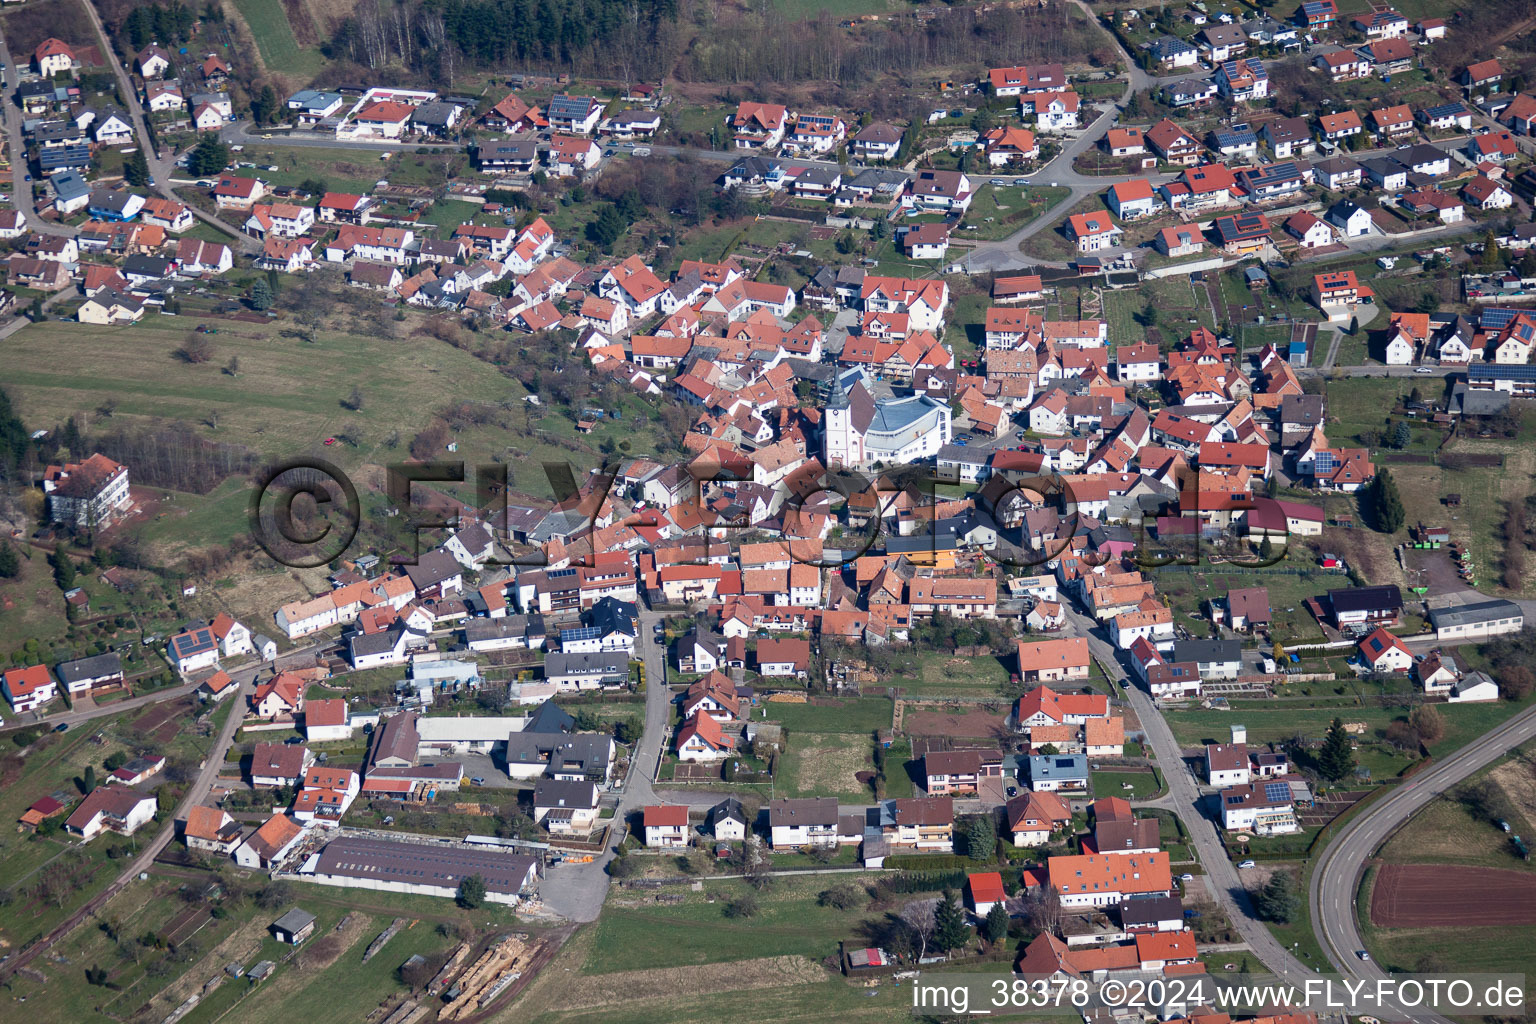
point(789, 922)
point(801, 9)
point(280, 51)
point(826, 764)
point(285, 400)
point(861, 715)
point(1446, 832)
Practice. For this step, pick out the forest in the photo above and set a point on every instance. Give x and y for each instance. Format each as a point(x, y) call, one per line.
point(702, 41)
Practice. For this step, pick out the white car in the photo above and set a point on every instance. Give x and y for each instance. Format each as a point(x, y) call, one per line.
point(1187, 877)
point(1247, 864)
point(1423, 369)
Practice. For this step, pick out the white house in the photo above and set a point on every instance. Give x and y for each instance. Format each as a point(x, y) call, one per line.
point(1384, 652)
point(794, 824)
point(1226, 764)
point(666, 825)
point(29, 688)
point(111, 808)
point(701, 739)
point(1400, 349)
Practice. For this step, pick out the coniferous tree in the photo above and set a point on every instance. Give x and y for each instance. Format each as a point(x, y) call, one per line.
point(136, 169)
point(1384, 504)
point(1337, 758)
point(995, 927)
point(950, 930)
point(1278, 901)
point(980, 838)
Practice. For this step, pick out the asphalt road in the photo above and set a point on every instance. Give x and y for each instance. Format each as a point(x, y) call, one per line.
point(577, 891)
point(159, 169)
point(1186, 799)
point(21, 189)
point(196, 793)
point(1336, 878)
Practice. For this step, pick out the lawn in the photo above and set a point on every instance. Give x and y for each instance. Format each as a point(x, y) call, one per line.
point(966, 332)
point(861, 715)
point(1052, 243)
point(998, 212)
point(1188, 592)
point(939, 673)
point(349, 170)
point(1363, 403)
point(789, 921)
point(280, 51)
point(1463, 723)
point(1108, 783)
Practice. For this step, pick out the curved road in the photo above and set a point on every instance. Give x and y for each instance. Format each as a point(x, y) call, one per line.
point(1336, 878)
point(159, 168)
point(196, 793)
point(1188, 800)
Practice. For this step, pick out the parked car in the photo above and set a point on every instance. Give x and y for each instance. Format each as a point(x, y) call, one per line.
point(1187, 877)
point(1247, 864)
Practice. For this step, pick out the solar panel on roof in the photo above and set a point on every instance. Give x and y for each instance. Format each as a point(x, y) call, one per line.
point(1325, 463)
point(1496, 318)
point(1276, 792)
point(1525, 371)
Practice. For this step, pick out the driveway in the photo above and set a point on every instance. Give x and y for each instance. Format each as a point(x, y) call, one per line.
point(1186, 799)
point(576, 891)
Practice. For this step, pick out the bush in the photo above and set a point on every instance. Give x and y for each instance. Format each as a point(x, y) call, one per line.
point(742, 906)
point(843, 896)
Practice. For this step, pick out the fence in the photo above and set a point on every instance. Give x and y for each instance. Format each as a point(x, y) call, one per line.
point(1227, 567)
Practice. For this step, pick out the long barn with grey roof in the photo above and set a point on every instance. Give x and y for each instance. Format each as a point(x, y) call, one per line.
point(1476, 621)
point(426, 869)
